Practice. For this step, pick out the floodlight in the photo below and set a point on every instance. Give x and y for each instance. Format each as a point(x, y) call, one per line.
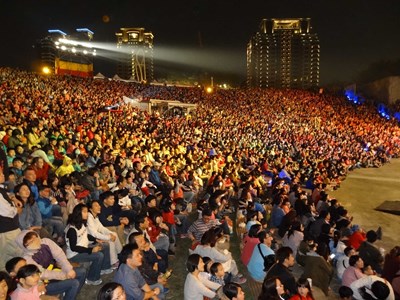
point(73, 50)
point(63, 48)
point(46, 70)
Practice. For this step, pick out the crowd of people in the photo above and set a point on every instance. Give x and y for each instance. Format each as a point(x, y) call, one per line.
point(87, 191)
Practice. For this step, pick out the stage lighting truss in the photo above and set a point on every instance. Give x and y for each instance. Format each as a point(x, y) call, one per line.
point(75, 47)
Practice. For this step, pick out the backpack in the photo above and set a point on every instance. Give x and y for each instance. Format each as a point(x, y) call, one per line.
point(269, 260)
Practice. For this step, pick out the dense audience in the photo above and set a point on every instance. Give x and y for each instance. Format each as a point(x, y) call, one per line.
point(88, 190)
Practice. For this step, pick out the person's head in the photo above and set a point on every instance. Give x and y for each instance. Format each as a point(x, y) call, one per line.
point(349, 251)
point(14, 264)
point(345, 293)
point(111, 291)
point(272, 287)
point(208, 237)
point(44, 191)
point(217, 269)
point(28, 276)
point(108, 198)
point(254, 230)
point(208, 262)
point(284, 256)
point(5, 282)
point(356, 261)
point(151, 201)
point(131, 256)
point(380, 290)
point(30, 175)
point(142, 222)
point(304, 288)
point(31, 241)
point(265, 238)
point(233, 291)
point(206, 215)
point(79, 216)
point(372, 236)
point(194, 263)
point(38, 162)
point(137, 238)
point(23, 192)
point(95, 207)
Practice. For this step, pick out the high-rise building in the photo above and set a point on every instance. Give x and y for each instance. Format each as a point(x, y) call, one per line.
point(64, 54)
point(284, 53)
point(135, 54)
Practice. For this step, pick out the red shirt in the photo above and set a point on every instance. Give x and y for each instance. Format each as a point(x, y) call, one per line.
point(356, 239)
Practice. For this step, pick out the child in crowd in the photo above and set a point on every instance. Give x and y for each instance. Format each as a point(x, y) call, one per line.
point(28, 288)
point(217, 273)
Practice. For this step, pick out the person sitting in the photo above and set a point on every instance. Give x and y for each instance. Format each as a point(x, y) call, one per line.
point(256, 265)
point(371, 254)
point(128, 275)
point(342, 262)
point(272, 289)
point(304, 291)
point(318, 268)
point(250, 241)
point(51, 213)
point(45, 254)
point(98, 231)
point(79, 248)
point(354, 271)
point(372, 287)
point(284, 260)
point(207, 248)
point(194, 288)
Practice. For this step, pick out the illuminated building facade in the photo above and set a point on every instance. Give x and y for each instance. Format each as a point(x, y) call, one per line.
point(284, 53)
point(135, 54)
point(66, 54)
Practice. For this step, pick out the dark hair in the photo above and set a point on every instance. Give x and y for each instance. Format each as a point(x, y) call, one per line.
point(192, 262)
point(206, 260)
point(90, 204)
point(295, 226)
point(126, 252)
point(347, 250)
point(253, 231)
point(305, 283)
point(31, 199)
point(283, 253)
point(4, 276)
point(107, 291)
point(231, 290)
point(371, 236)
point(262, 235)
point(131, 238)
point(380, 289)
point(10, 264)
point(28, 236)
point(26, 271)
point(345, 291)
point(207, 212)
point(214, 268)
point(208, 237)
point(75, 218)
point(268, 290)
point(353, 260)
point(105, 195)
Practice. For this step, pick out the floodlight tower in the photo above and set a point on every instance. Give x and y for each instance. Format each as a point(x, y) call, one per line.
point(136, 54)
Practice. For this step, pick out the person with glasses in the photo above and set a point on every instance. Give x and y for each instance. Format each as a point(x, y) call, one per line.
point(272, 289)
point(111, 291)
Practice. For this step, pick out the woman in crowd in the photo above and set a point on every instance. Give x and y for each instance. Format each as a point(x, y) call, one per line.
point(272, 289)
point(195, 289)
point(304, 291)
point(80, 249)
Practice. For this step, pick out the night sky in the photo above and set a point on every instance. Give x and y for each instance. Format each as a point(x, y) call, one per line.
point(353, 33)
